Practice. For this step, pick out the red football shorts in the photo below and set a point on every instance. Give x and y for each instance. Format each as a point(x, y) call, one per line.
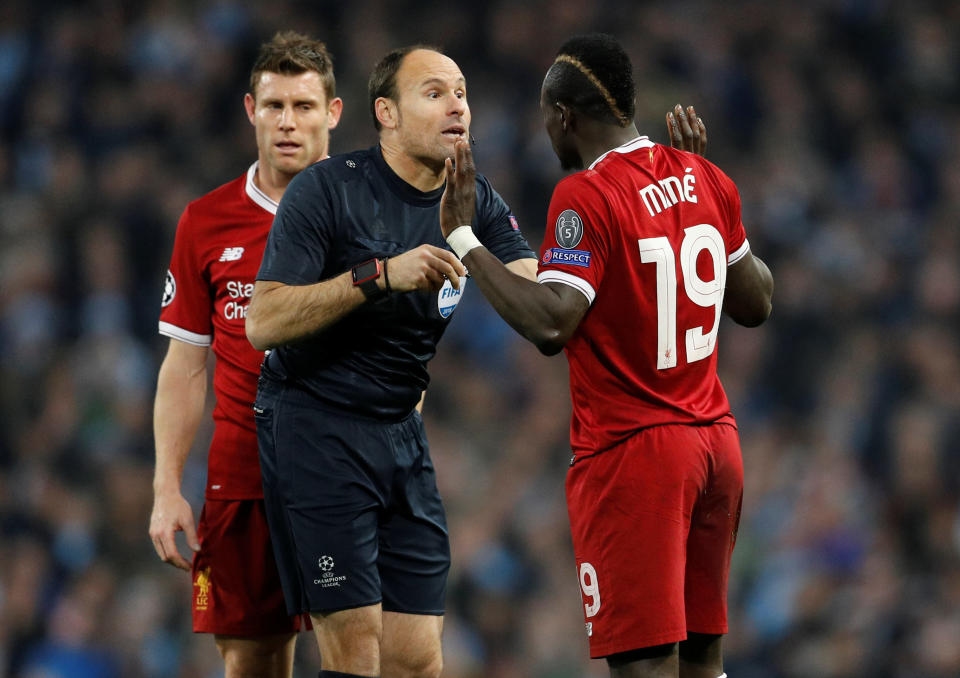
point(236, 588)
point(654, 521)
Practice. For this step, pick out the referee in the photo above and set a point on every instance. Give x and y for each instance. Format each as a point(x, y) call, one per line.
point(356, 288)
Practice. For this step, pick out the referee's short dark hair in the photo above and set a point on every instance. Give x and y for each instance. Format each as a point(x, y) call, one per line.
point(592, 74)
point(383, 79)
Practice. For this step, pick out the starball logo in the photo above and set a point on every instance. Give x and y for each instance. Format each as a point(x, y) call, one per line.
point(328, 577)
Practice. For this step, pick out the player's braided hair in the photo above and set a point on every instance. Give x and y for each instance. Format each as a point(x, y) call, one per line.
point(592, 74)
point(292, 53)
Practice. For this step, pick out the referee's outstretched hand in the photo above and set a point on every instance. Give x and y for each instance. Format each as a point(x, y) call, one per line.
point(460, 193)
point(686, 130)
point(424, 268)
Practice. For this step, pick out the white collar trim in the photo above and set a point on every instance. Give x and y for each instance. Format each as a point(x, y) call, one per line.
point(639, 142)
point(256, 194)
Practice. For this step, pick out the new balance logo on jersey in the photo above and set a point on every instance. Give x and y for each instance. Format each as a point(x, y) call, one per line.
point(668, 192)
point(231, 254)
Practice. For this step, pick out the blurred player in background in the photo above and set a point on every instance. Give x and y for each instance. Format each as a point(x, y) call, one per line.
point(643, 250)
point(219, 243)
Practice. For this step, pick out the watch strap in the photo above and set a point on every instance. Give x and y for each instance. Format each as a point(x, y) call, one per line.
point(365, 275)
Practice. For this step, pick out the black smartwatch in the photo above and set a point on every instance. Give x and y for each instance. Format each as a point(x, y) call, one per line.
point(365, 277)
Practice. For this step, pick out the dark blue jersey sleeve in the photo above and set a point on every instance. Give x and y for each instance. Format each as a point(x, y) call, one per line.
point(496, 227)
point(301, 233)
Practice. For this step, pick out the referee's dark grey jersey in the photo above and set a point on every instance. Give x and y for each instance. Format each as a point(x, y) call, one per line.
point(343, 211)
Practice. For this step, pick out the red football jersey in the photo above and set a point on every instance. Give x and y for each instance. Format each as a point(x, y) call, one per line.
point(216, 255)
point(646, 234)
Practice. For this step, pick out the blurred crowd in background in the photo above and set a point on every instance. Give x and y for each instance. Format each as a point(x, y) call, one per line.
point(838, 119)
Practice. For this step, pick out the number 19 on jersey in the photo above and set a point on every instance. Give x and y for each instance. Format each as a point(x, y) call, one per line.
point(704, 293)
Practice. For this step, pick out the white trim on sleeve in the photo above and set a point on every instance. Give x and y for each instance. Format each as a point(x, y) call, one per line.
point(258, 196)
point(739, 254)
point(579, 284)
point(174, 332)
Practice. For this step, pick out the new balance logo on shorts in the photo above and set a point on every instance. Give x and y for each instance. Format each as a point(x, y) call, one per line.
point(231, 254)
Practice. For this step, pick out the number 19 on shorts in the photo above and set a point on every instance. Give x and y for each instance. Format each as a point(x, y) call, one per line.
point(705, 293)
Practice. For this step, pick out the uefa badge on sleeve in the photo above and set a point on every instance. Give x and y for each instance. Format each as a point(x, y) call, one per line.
point(569, 229)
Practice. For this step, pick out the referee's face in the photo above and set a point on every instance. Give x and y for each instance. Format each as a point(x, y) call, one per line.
point(432, 109)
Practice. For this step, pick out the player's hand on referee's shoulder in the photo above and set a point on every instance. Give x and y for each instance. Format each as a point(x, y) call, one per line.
point(686, 130)
point(424, 268)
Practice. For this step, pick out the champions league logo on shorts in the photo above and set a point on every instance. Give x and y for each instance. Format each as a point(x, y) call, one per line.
point(328, 578)
point(169, 290)
point(448, 298)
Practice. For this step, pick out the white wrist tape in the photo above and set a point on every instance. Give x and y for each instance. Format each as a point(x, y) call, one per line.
point(462, 240)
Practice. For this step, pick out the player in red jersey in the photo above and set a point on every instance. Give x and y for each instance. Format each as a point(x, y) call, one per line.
point(643, 251)
point(219, 243)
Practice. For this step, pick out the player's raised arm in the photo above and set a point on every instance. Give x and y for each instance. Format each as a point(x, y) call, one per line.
point(546, 315)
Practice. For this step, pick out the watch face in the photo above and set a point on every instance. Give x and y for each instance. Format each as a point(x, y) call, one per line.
point(368, 270)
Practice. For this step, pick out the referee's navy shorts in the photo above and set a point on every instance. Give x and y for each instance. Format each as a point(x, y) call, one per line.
point(353, 508)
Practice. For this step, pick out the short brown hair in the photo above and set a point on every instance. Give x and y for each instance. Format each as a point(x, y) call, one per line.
point(383, 79)
point(292, 53)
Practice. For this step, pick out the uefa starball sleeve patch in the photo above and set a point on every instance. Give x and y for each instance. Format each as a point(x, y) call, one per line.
point(169, 289)
point(568, 232)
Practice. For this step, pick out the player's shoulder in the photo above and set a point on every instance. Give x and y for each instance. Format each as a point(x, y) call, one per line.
point(698, 163)
point(214, 206)
point(585, 186)
point(231, 191)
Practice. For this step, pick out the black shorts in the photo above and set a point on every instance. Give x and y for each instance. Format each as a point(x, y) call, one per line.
point(353, 508)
